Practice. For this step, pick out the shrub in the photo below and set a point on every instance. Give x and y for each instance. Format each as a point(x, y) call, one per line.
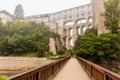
point(2, 77)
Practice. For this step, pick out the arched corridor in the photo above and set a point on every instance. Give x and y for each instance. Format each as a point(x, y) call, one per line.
point(78, 30)
point(71, 32)
point(71, 42)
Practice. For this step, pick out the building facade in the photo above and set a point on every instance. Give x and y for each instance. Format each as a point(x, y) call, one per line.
point(5, 16)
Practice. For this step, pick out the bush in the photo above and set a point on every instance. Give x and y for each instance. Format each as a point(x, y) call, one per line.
point(97, 47)
point(2, 77)
point(24, 37)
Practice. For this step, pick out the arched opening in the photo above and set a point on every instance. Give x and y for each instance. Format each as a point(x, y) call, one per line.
point(71, 42)
point(81, 21)
point(69, 23)
point(78, 30)
point(65, 32)
point(90, 26)
point(84, 29)
point(64, 41)
point(70, 32)
point(90, 19)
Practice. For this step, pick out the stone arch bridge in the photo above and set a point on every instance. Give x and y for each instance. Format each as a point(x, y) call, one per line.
point(72, 29)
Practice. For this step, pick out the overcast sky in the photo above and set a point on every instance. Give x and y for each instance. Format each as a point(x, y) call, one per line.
point(32, 7)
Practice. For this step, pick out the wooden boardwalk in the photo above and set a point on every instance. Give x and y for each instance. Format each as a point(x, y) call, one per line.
point(72, 71)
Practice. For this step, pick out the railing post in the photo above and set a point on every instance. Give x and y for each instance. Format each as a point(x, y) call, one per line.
point(97, 72)
point(91, 71)
point(38, 75)
point(104, 77)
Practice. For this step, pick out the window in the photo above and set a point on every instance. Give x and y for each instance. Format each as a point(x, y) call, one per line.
point(82, 14)
point(81, 21)
point(65, 18)
point(84, 29)
point(89, 13)
point(82, 7)
point(69, 23)
point(71, 43)
point(77, 16)
point(90, 20)
point(88, 6)
point(70, 17)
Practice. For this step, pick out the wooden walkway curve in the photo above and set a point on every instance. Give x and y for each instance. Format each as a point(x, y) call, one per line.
point(72, 71)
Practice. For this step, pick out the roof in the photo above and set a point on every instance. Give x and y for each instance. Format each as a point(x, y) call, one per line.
point(7, 13)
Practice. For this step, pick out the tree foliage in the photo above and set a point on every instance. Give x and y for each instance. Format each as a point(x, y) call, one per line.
point(97, 47)
point(19, 12)
point(112, 15)
point(24, 37)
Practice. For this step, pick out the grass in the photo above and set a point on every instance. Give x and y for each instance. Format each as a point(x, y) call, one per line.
point(25, 55)
point(3, 77)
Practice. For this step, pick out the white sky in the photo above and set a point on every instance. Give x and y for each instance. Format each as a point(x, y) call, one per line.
point(32, 7)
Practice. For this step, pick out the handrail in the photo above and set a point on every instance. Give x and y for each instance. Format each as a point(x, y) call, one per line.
point(44, 72)
point(97, 72)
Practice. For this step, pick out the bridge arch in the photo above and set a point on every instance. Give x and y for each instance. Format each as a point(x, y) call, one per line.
point(70, 31)
point(68, 23)
point(71, 42)
point(84, 28)
point(90, 19)
point(64, 41)
point(81, 21)
point(64, 32)
point(78, 30)
point(90, 26)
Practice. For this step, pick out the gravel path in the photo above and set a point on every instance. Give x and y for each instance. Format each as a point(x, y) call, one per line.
point(13, 65)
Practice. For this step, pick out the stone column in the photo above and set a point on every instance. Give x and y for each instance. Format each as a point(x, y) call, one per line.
point(67, 43)
point(81, 30)
point(98, 9)
point(52, 48)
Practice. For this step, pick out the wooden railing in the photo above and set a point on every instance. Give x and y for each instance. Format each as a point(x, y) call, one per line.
point(42, 73)
point(96, 72)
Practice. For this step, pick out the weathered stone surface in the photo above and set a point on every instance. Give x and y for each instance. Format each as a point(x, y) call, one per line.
point(52, 48)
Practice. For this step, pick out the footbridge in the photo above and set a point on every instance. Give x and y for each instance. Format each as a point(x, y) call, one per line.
point(67, 69)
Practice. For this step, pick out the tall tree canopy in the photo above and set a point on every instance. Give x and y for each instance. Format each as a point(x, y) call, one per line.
point(112, 15)
point(97, 48)
point(19, 12)
point(24, 37)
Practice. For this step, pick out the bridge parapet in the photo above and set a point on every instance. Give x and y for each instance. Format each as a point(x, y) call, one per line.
point(41, 73)
point(97, 72)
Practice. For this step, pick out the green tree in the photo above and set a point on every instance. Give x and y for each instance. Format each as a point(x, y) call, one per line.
point(112, 15)
point(19, 13)
point(97, 47)
point(25, 37)
point(3, 77)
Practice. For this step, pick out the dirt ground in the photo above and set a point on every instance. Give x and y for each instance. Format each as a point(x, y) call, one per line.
point(12, 65)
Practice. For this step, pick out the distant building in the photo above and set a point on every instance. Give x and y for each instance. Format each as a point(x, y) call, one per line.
point(6, 16)
point(40, 18)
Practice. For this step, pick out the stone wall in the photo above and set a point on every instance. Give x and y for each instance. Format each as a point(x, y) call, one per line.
point(98, 10)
